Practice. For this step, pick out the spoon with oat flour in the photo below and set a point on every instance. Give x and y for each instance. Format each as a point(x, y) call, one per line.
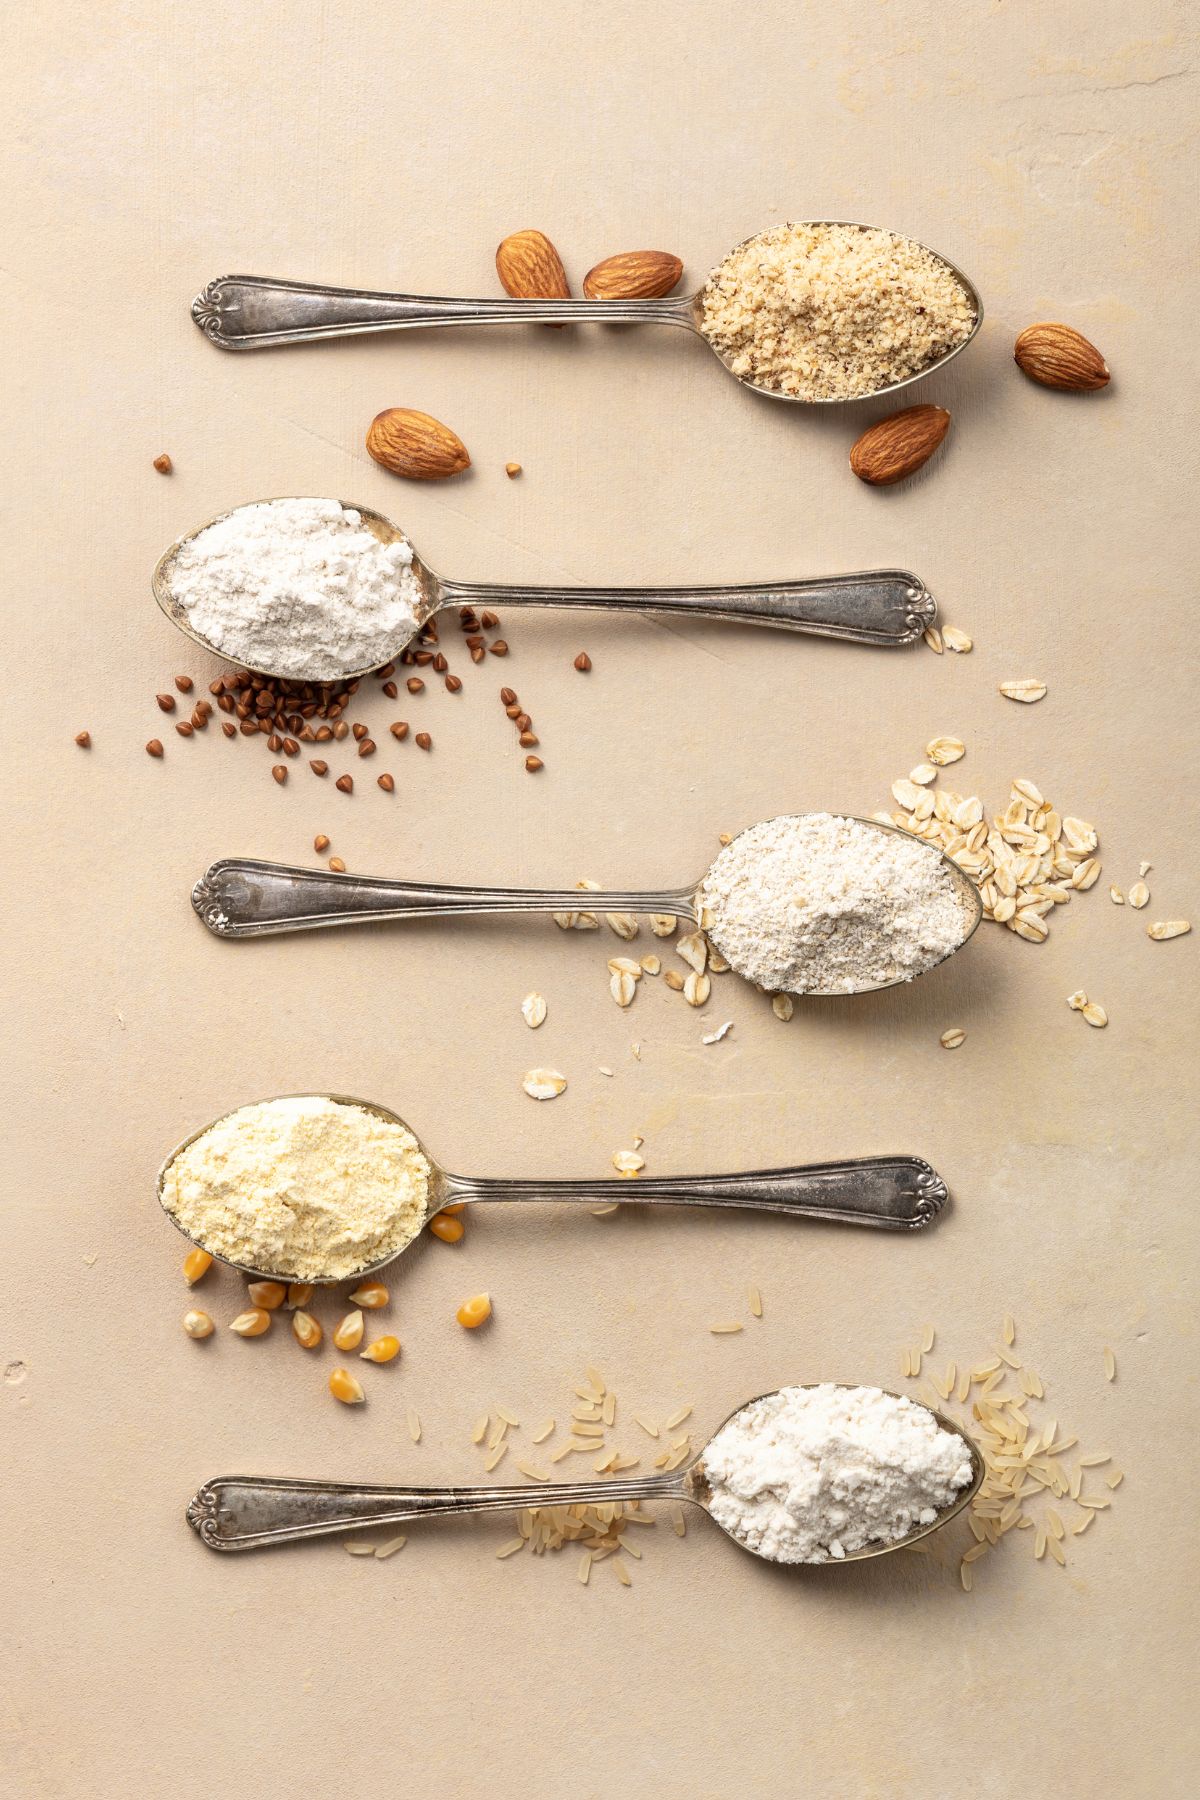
point(318, 590)
point(820, 311)
point(807, 903)
point(326, 1187)
point(827, 1473)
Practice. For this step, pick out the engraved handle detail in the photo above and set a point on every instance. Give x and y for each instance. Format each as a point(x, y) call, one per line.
point(240, 897)
point(887, 607)
point(248, 312)
point(891, 1193)
point(241, 1512)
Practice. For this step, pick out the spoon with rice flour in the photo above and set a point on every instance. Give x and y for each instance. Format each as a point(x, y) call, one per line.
point(826, 1473)
point(807, 903)
point(318, 590)
point(873, 311)
point(325, 1187)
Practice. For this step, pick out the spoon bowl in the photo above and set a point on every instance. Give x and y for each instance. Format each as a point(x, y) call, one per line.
point(894, 1193)
point(241, 897)
point(889, 608)
point(249, 312)
point(238, 1512)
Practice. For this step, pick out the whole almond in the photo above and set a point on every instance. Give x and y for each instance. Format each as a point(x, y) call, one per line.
point(896, 447)
point(414, 445)
point(634, 275)
point(530, 268)
point(1060, 357)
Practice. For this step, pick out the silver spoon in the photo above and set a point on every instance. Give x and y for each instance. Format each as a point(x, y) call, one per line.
point(887, 607)
point(246, 312)
point(240, 897)
point(893, 1193)
point(244, 1512)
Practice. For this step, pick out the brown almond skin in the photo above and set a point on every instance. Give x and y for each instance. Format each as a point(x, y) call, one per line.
point(416, 446)
point(896, 447)
point(1058, 356)
point(530, 268)
point(633, 275)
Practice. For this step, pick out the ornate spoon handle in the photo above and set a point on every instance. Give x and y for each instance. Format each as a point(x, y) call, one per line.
point(892, 1193)
point(888, 607)
point(247, 312)
point(244, 1512)
point(240, 897)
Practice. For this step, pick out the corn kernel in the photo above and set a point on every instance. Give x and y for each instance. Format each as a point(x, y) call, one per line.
point(300, 1293)
point(198, 1324)
point(349, 1334)
point(474, 1311)
point(346, 1388)
point(305, 1330)
point(371, 1294)
point(384, 1349)
point(448, 1229)
point(195, 1264)
point(452, 1212)
point(252, 1323)
point(267, 1294)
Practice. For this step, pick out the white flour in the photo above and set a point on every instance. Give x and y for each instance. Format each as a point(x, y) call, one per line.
point(821, 904)
point(298, 588)
point(302, 1187)
point(811, 1474)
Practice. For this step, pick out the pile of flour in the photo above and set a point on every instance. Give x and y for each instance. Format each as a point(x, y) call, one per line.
point(298, 588)
point(305, 1187)
point(812, 1474)
point(817, 904)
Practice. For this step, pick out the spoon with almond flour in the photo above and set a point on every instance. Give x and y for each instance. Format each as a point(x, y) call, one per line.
point(820, 1474)
point(325, 621)
point(807, 903)
point(821, 311)
point(266, 1203)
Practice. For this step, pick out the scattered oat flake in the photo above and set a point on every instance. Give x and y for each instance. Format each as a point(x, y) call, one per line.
point(945, 750)
point(696, 989)
point(1116, 896)
point(923, 775)
point(783, 1006)
point(957, 640)
point(1077, 1001)
point(933, 637)
point(627, 1162)
point(543, 1084)
point(533, 1010)
point(1139, 895)
point(951, 1039)
point(1144, 868)
point(622, 986)
point(1026, 691)
point(1095, 1014)
point(1162, 929)
point(714, 1037)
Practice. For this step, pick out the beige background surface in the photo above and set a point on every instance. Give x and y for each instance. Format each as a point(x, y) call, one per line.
point(152, 147)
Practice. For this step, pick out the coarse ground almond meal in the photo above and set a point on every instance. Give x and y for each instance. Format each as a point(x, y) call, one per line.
point(830, 312)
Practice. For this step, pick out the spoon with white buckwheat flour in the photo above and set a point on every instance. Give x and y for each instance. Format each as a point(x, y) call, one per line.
point(822, 310)
point(827, 1473)
point(317, 590)
point(325, 1187)
point(807, 903)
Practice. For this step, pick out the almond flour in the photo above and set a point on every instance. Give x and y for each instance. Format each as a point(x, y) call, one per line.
point(828, 312)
